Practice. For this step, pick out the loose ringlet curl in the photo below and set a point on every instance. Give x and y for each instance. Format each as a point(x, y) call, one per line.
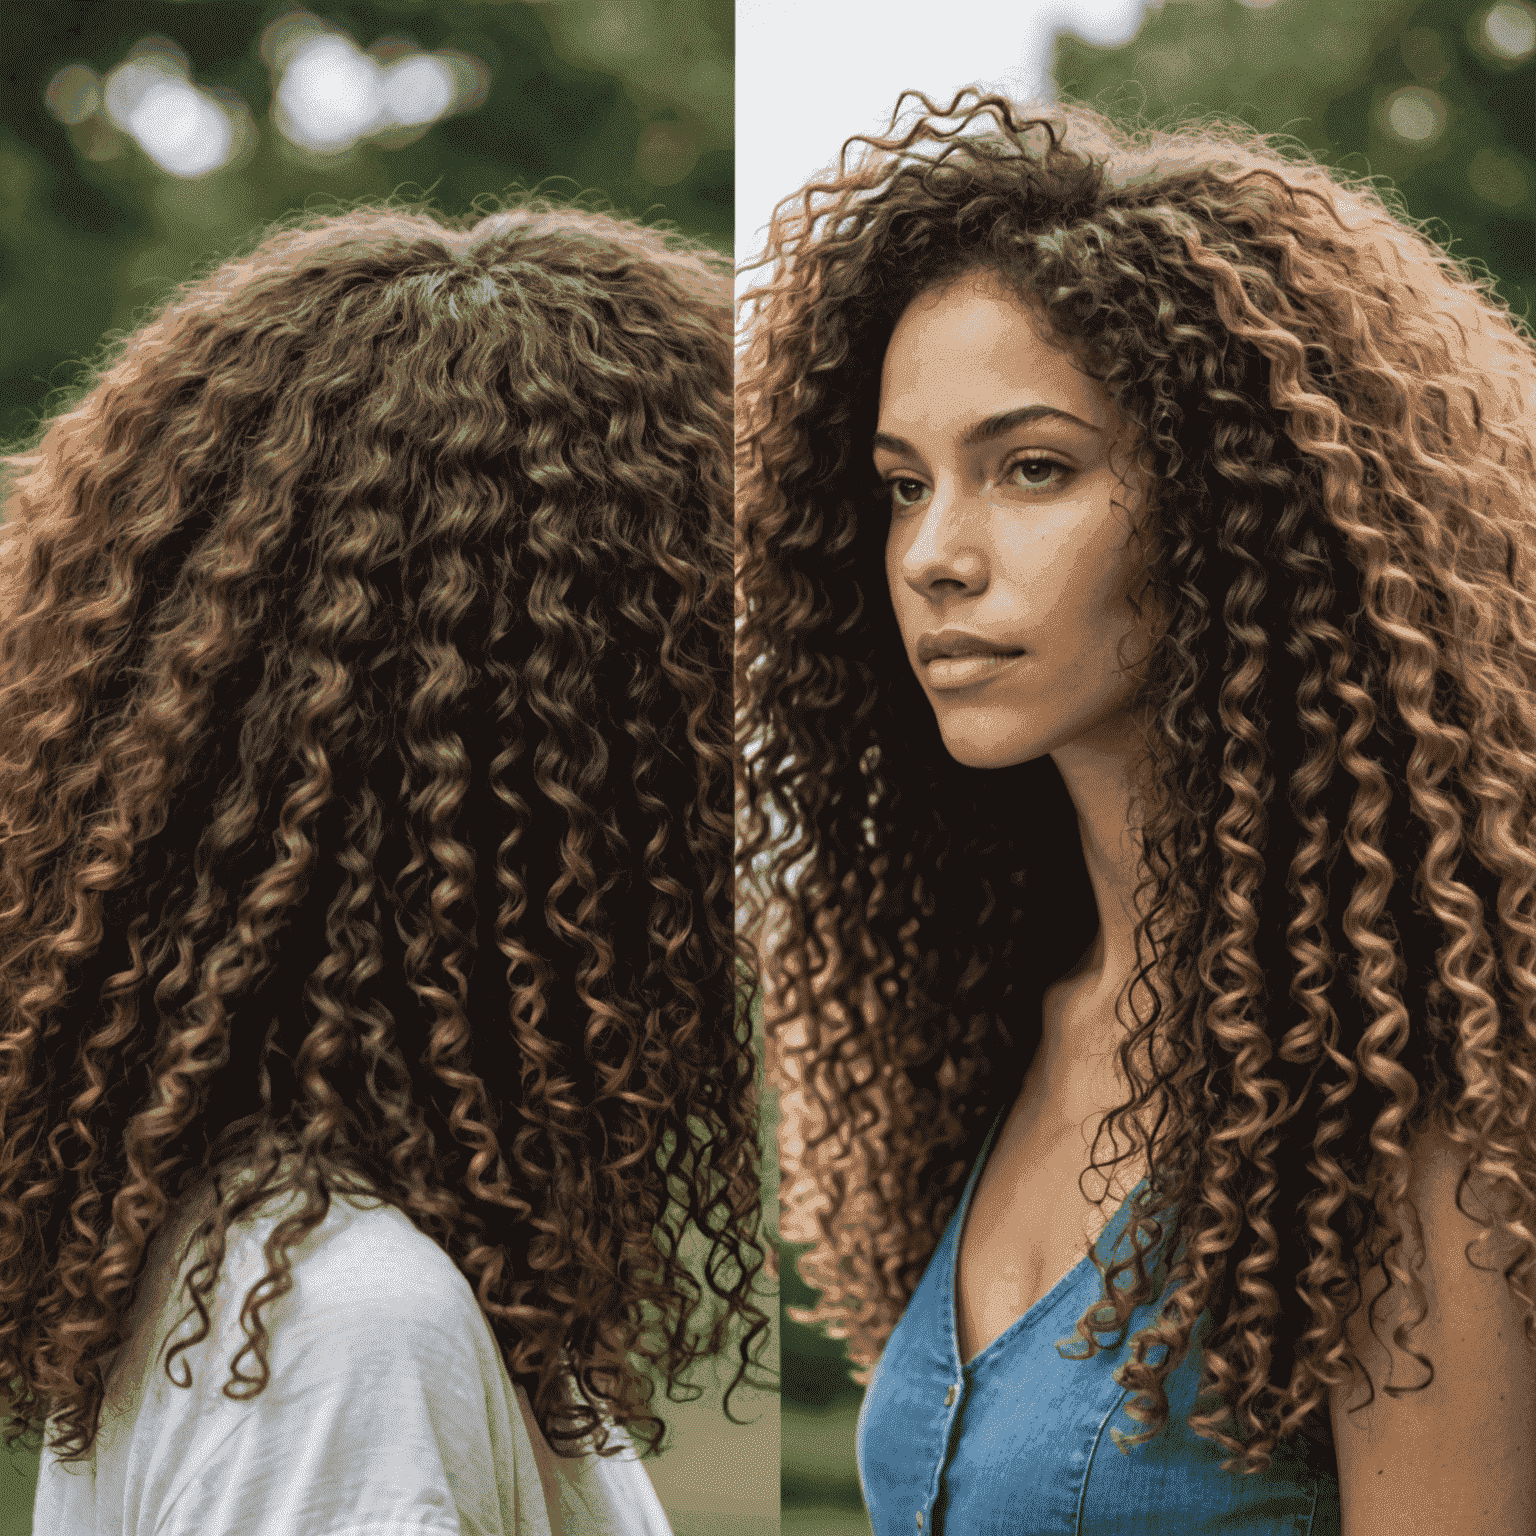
point(364, 683)
point(1335, 419)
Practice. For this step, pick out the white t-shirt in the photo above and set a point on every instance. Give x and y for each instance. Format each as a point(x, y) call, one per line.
point(389, 1411)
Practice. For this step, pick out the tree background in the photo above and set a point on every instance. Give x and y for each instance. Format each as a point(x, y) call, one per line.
point(624, 104)
point(630, 100)
point(1433, 98)
point(1421, 94)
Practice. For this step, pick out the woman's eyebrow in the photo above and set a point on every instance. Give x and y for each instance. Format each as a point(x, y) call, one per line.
point(990, 427)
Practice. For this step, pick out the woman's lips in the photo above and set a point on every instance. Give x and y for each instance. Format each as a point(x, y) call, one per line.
point(946, 672)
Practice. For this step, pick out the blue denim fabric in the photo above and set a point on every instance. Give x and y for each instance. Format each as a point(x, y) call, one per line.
point(1018, 1441)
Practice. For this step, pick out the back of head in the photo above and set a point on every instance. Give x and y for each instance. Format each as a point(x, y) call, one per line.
point(364, 674)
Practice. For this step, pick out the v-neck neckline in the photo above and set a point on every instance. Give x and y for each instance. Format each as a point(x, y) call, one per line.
point(953, 1268)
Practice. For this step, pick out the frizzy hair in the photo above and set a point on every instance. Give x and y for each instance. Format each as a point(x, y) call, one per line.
point(366, 801)
point(1337, 918)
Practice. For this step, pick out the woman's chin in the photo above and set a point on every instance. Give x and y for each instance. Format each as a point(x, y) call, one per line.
point(986, 750)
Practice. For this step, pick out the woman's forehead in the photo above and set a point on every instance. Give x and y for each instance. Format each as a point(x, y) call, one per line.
point(973, 347)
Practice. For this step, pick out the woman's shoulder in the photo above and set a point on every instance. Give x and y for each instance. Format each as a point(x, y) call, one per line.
point(364, 1282)
point(368, 1252)
point(383, 1398)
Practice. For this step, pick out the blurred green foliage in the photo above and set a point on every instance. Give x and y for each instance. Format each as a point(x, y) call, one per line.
point(1346, 80)
point(628, 101)
point(815, 1367)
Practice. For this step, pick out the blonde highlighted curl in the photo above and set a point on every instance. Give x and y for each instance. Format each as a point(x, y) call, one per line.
point(364, 684)
point(1335, 419)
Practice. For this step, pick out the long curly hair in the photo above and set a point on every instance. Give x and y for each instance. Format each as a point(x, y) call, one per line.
point(1337, 934)
point(365, 639)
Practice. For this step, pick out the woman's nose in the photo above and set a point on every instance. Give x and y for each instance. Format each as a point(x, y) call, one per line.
point(949, 548)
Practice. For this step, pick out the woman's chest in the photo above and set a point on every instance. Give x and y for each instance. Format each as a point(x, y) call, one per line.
point(1032, 1216)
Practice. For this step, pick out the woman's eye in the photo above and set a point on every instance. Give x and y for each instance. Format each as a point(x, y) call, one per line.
point(1029, 469)
point(1029, 474)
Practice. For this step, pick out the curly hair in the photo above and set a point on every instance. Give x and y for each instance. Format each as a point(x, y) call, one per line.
point(369, 616)
point(1338, 894)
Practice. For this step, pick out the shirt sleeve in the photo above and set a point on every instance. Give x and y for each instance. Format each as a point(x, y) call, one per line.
point(593, 1495)
point(378, 1418)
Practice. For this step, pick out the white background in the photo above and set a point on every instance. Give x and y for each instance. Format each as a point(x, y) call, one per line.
point(811, 72)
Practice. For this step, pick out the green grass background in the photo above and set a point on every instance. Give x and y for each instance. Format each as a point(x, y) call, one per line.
point(18, 1483)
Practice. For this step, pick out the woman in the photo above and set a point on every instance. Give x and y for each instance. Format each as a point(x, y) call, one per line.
point(1135, 686)
point(370, 1043)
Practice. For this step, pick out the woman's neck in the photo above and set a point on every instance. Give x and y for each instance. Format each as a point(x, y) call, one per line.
point(1096, 772)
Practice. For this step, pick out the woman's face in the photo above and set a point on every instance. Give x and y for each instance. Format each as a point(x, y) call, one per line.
point(1007, 556)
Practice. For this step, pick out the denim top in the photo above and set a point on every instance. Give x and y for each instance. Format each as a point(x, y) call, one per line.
point(1018, 1441)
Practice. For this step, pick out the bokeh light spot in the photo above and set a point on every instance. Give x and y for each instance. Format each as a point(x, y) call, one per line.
point(665, 154)
point(127, 83)
point(150, 96)
point(181, 129)
point(1509, 30)
point(284, 37)
point(1109, 24)
point(1416, 114)
point(471, 78)
point(73, 94)
point(1498, 178)
point(418, 89)
point(331, 94)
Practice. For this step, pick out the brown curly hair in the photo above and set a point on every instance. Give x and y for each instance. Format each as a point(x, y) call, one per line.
point(367, 618)
point(1339, 884)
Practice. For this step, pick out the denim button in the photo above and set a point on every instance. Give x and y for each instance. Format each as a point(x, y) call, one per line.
point(919, 1519)
point(949, 1398)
